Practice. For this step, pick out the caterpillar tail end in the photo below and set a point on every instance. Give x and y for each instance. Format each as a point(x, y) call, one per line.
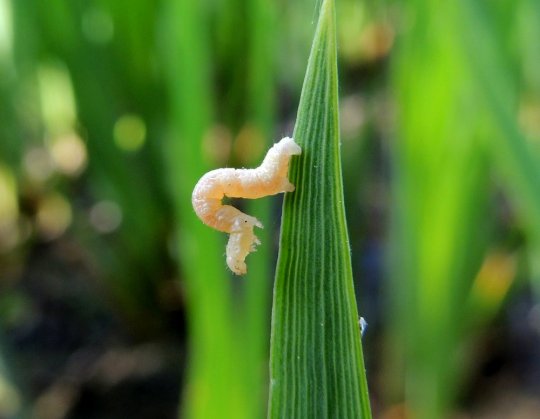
point(290, 147)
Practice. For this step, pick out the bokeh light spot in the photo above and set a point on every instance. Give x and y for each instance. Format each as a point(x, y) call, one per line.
point(130, 132)
point(216, 145)
point(69, 154)
point(53, 216)
point(105, 216)
point(9, 210)
point(249, 145)
point(37, 164)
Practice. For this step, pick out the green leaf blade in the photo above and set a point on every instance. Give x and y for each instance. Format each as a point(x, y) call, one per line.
point(317, 368)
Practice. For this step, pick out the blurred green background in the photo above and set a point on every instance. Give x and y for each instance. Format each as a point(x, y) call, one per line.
point(115, 300)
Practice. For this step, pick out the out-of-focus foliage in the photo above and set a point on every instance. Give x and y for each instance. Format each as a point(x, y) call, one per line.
point(115, 299)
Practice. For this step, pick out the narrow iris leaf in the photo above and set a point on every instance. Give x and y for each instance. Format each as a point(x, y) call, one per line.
point(317, 368)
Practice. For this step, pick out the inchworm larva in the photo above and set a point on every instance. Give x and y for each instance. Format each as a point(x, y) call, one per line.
point(269, 178)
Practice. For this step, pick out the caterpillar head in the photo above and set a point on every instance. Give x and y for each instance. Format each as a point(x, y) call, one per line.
point(242, 241)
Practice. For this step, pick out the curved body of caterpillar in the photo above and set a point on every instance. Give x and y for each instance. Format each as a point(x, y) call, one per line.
point(269, 178)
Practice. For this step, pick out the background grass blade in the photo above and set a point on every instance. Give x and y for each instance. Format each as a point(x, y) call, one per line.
point(212, 387)
point(515, 156)
point(260, 117)
point(447, 65)
point(317, 368)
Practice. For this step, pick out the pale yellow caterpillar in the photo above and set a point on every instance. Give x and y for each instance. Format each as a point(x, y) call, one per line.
point(269, 178)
